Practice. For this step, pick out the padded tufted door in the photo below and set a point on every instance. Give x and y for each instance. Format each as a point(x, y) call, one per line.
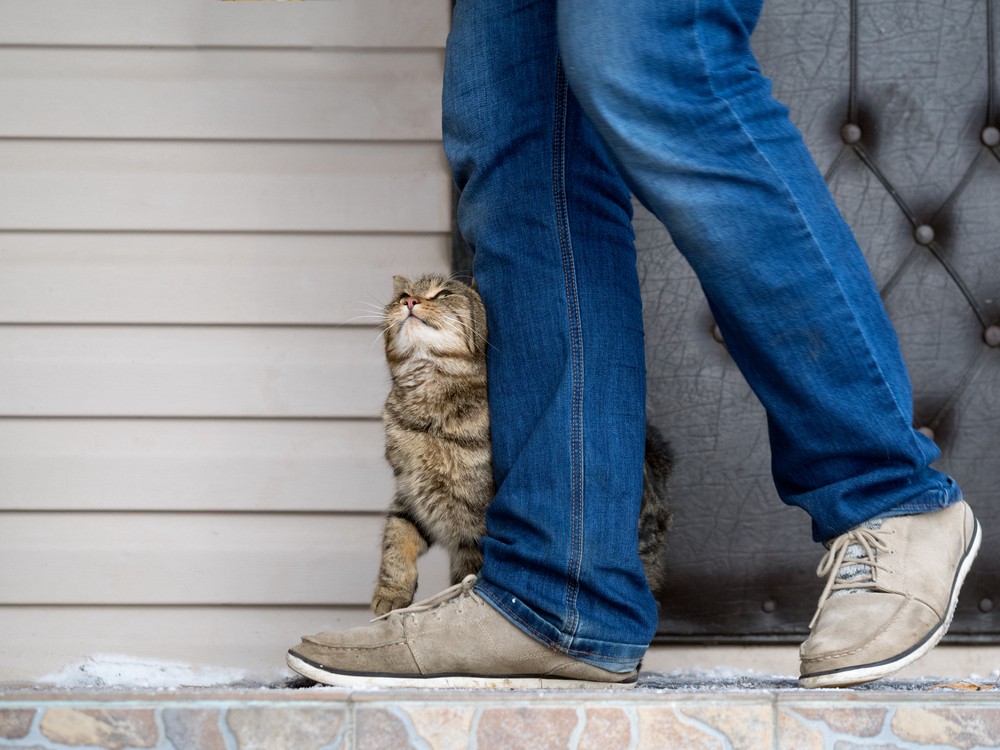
point(897, 101)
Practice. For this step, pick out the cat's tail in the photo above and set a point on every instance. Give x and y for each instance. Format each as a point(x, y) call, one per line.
point(655, 516)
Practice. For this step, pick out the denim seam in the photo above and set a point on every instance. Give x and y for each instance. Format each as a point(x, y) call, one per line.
point(798, 209)
point(576, 350)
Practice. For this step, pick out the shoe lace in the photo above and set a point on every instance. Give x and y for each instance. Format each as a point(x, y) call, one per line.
point(860, 548)
point(463, 588)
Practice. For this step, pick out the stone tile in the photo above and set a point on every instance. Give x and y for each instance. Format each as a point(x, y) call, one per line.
point(536, 728)
point(606, 728)
point(188, 728)
point(662, 727)
point(745, 725)
point(962, 726)
point(108, 728)
point(794, 735)
point(856, 721)
point(284, 726)
point(442, 727)
point(377, 728)
point(15, 723)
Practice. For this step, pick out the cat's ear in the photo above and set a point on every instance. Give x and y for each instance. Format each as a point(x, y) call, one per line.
point(399, 284)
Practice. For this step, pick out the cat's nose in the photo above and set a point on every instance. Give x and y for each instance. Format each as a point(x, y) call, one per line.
point(410, 302)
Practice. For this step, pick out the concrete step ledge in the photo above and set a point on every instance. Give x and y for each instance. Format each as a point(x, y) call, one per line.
point(665, 711)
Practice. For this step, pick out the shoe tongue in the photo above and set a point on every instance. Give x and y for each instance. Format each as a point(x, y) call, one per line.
point(857, 572)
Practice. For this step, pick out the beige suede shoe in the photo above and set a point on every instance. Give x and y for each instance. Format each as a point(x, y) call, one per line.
point(455, 639)
point(892, 589)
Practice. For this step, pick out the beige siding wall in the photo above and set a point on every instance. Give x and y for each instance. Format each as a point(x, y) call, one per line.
point(200, 204)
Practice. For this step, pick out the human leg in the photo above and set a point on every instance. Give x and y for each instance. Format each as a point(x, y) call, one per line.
point(549, 219)
point(675, 92)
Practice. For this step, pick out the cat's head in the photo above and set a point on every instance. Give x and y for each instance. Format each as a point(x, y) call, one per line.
point(434, 315)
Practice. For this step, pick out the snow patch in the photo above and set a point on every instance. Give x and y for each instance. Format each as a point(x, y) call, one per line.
point(993, 677)
point(719, 679)
point(116, 670)
point(723, 679)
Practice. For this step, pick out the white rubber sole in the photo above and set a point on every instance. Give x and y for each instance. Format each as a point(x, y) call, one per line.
point(369, 682)
point(851, 676)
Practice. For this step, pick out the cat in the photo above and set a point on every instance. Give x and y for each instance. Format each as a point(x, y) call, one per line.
point(437, 441)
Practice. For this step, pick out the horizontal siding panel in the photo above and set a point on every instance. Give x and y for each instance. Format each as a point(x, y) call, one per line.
point(183, 372)
point(353, 23)
point(219, 186)
point(207, 278)
point(222, 94)
point(200, 204)
point(83, 645)
point(153, 558)
point(193, 465)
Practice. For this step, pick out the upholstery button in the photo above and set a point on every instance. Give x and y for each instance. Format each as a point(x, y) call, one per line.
point(769, 605)
point(924, 234)
point(926, 431)
point(992, 336)
point(985, 605)
point(991, 135)
point(850, 134)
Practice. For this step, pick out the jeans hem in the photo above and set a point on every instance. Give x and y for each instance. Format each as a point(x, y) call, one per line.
point(937, 500)
point(614, 657)
point(931, 501)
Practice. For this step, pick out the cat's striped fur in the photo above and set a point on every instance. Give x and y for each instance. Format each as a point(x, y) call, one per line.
point(437, 440)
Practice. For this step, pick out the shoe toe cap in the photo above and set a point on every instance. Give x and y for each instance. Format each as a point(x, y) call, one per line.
point(866, 628)
point(391, 657)
point(381, 645)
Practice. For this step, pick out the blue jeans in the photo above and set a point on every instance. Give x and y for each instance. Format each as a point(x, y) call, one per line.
point(553, 113)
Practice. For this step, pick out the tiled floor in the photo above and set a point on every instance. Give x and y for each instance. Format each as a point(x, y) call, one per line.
point(665, 711)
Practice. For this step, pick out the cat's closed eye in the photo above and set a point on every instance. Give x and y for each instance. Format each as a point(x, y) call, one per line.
point(442, 293)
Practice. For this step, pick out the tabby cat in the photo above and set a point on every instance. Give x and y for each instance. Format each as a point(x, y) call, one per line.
point(437, 440)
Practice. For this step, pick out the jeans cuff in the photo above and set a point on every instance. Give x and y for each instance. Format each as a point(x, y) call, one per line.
point(614, 657)
point(929, 502)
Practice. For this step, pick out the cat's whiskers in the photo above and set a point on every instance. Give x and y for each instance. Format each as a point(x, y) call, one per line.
point(462, 328)
point(458, 276)
point(376, 302)
point(456, 325)
point(367, 311)
point(370, 306)
point(381, 333)
point(366, 316)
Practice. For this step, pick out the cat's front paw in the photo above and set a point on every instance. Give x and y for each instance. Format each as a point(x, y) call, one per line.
point(387, 598)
